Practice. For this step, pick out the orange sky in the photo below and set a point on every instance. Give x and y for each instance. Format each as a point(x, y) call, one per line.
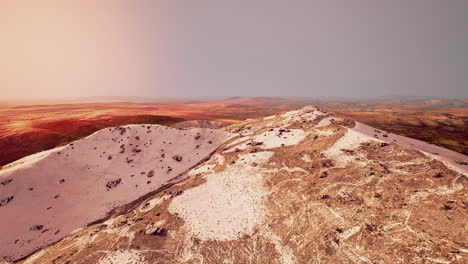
point(54, 49)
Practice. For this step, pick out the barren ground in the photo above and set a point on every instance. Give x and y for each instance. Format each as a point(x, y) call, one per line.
point(295, 187)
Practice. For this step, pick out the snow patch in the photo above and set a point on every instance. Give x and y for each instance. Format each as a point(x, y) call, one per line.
point(350, 141)
point(228, 205)
point(327, 121)
point(275, 139)
point(123, 257)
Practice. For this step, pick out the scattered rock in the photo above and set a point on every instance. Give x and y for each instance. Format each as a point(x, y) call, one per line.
point(257, 143)
point(101, 227)
point(322, 197)
point(36, 228)
point(122, 130)
point(150, 173)
point(384, 168)
point(156, 231)
point(446, 207)
point(370, 228)
point(324, 174)
point(348, 151)
point(62, 181)
point(6, 200)
point(5, 182)
point(327, 163)
point(177, 158)
point(121, 223)
point(114, 183)
point(98, 229)
point(177, 193)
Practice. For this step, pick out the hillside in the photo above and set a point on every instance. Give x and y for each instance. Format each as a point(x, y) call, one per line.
point(297, 187)
point(46, 196)
point(20, 139)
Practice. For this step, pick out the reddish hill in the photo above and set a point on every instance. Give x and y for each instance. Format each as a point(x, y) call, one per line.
point(43, 135)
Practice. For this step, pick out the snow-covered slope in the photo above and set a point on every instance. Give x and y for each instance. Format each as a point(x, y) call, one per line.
point(46, 196)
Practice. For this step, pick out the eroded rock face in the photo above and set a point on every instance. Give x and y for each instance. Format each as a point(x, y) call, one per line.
point(67, 188)
point(290, 188)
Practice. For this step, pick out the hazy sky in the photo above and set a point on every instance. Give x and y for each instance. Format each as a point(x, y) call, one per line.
point(198, 48)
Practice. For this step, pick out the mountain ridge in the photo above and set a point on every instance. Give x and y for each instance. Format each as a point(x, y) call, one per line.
point(297, 187)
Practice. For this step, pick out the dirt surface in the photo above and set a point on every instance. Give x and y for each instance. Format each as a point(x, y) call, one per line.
point(296, 187)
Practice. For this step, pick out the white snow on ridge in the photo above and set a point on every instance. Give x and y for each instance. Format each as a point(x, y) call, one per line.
point(214, 210)
point(71, 186)
point(349, 141)
point(448, 157)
